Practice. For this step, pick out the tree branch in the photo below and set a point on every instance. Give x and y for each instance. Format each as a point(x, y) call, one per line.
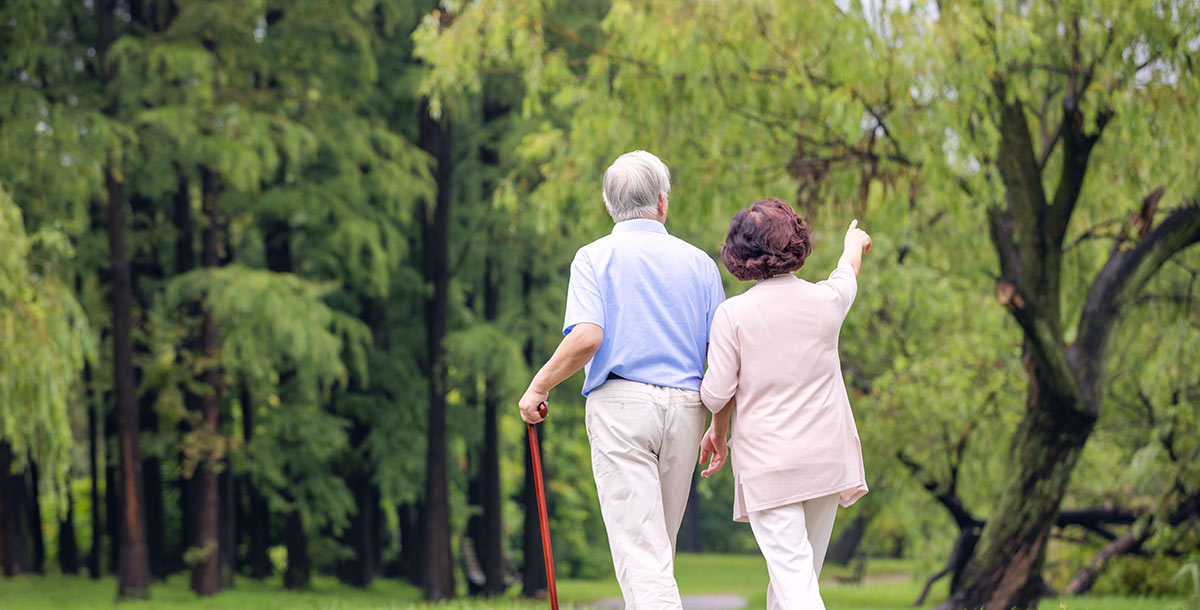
point(1118, 283)
point(950, 500)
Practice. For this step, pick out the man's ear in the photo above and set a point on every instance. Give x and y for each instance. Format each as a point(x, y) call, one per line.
point(663, 204)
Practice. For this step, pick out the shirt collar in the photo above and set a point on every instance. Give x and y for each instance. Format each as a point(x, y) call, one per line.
point(639, 225)
point(778, 278)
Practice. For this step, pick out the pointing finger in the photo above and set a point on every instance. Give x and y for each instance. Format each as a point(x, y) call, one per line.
point(853, 224)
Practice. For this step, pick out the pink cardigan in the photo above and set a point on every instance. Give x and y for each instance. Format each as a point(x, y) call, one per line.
point(775, 349)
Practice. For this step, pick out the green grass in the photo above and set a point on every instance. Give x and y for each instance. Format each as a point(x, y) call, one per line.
point(744, 575)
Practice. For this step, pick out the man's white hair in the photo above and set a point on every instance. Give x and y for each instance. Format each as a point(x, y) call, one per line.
point(632, 185)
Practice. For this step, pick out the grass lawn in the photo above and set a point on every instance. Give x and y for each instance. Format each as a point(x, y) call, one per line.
point(888, 589)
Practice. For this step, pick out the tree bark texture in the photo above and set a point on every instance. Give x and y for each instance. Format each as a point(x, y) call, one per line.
point(133, 571)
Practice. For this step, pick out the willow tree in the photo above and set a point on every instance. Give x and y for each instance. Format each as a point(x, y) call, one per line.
point(1063, 132)
point(45, 338)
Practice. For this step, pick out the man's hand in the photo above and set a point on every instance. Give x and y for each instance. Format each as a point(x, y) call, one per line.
point(529, 404)
point(856, 238)
point(713, 445)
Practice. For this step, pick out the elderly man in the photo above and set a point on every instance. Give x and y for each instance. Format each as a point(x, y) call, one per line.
point(639, 306)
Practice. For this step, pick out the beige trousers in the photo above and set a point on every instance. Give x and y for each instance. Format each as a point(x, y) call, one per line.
point(645, 442)
point(793, 539)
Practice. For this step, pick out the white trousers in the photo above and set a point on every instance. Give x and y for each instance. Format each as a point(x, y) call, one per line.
point(645, 440)
point(793, 539)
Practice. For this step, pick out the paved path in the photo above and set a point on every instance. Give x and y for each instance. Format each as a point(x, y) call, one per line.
point(724, 601)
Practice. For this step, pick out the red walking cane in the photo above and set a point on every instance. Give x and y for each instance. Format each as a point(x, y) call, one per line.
point(536, 455)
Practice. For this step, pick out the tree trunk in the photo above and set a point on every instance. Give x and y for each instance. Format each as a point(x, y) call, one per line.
point(491, 542)
point(691, 521)
point(112, 500)
point(410, 543)
point(147, 268)
point(94, 473)
point(227, 525)
point(533, 573)
point(259, 562)
point(843, 549)
point(37, 539)
point(438, 578)
point(206, 571)
point(7, 563)
point(299, 570)
point(359, 570)
point(68, 546)
point(1006, 569)
point(133, 575)
point(185, 261)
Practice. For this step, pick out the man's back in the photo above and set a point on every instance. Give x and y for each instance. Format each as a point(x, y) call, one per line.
point(654, 296)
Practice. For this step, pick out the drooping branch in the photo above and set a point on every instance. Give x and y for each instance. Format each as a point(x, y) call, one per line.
point(944, 493)
point(1119, 282)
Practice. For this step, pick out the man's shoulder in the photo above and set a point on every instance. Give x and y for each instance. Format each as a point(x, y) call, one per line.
point(688, 249)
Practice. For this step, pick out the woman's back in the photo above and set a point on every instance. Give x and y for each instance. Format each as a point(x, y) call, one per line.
point(775, 350)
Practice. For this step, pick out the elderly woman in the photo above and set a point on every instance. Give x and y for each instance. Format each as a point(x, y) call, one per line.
point(773, 365)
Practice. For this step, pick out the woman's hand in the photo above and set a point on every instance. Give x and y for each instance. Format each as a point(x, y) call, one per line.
point(856, 243)
point(857, 239)
point(713, 445)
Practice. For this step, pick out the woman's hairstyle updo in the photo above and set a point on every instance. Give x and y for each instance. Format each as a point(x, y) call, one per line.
point(766, 239)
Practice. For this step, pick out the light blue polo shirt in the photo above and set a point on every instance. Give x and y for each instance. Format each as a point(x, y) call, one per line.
point(654, 295)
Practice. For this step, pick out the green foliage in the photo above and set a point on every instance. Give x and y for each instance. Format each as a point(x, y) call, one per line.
point(44, 339)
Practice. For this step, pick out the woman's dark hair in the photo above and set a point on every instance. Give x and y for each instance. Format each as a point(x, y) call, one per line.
point(766, 239)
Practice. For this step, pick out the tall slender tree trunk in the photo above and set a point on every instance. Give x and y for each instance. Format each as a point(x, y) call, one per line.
point(533, 573)
point(491, 543)
point(112, 496)
point(411, 545)
point(147, 268)
point(185, 261)
point(68, 546)
point(7, 564)
point(438, 581)
point(227, 525)
point(257, 559)
point(299, 569)
point(133, 576)
point(37, 539)
point(359, 570)
point(94, 473)
point(691, 521)
point(206, 572)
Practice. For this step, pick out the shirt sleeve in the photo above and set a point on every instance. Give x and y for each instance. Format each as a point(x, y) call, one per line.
point(724, 363)
point(843, 285)
point(716, 295)
point(584, 303)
